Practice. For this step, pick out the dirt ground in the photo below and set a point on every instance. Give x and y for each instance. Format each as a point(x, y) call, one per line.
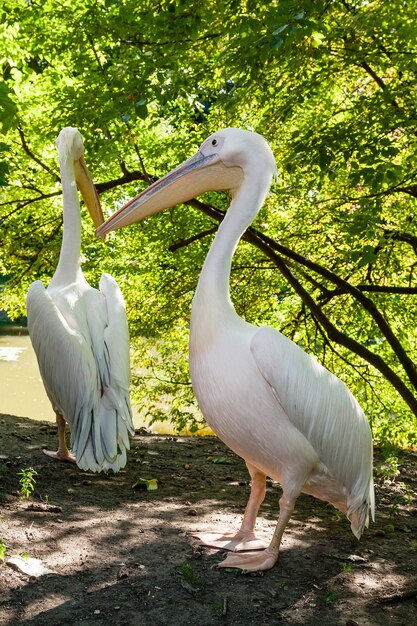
point(122, 555)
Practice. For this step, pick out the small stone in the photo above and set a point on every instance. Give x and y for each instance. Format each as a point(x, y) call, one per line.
point(123, 573)
point(192, 512)
point(186, 466)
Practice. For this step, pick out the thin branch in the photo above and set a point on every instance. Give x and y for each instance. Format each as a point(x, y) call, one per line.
point(160, 44)
point(341, 338)
point(25, 203)
point(270, 247)
point(377, 289)
point(27, 269)
point(401, 596)
point(186, 242)
point(34, 157)
point(128, 177)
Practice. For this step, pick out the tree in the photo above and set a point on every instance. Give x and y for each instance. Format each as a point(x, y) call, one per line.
point(7, 118)
point(330, 260)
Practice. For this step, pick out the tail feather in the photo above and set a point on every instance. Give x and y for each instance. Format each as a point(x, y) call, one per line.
point(104, 438)
point(359, 518)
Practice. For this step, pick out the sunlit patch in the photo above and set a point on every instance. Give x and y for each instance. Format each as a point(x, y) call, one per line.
point(10, 353)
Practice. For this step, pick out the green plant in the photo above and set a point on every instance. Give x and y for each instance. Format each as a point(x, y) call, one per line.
point(190, 575)
point(27, 481)
point(330, 597)
point(413, 546)
point(3, 549)
point(389, 469)
point(220, 607)
point(347, 568)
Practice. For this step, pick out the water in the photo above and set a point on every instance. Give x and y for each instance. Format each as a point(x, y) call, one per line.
point(22, 392)
point(21, 389)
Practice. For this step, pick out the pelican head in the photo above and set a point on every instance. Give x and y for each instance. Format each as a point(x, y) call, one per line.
point(70, 146)
point(220, 164)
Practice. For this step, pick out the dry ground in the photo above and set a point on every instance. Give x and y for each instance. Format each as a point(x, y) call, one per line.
point(125, 556)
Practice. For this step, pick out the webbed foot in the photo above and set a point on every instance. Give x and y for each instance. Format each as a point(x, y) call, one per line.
point(234, 542)
point(60, 455)
point(251, 561)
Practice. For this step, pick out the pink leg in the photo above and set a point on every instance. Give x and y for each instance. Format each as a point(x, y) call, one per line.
point(245, 538)
point(256, 561)
point(62, 454)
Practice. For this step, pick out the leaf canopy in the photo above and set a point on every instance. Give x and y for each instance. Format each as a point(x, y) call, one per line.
point(332, 86)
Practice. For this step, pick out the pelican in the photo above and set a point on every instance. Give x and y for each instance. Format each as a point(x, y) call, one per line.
point(274, 405)
point(80, 335)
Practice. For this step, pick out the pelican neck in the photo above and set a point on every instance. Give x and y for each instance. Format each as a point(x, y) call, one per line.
point(213, 292)
point(69, 265)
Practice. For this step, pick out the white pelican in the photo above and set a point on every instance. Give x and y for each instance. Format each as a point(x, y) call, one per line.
point(269, 401)
point(80, 335)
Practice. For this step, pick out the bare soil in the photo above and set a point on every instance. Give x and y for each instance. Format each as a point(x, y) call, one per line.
point(126, 556)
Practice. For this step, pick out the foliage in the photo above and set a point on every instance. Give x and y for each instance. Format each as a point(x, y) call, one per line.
point(3, 548)
point(27, 481)
point(8, 111)
point(332, 86)
point(193, 578)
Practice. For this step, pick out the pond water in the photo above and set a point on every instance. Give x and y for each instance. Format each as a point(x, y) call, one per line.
point(22, 392)
point(21, 389)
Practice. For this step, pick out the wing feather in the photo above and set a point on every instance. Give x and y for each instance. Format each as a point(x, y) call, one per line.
point(320, 405)
point(66, 364)
point(86, 370)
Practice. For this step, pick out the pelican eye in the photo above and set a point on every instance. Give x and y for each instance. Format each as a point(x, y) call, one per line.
point(214, 142)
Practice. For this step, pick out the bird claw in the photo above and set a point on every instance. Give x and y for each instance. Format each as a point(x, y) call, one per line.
point(250, 561)
point(232, 542)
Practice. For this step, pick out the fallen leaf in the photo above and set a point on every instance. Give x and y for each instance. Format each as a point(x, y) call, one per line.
point(222, 459)
point(149, 485)
point(29, 566)
point(356, 558)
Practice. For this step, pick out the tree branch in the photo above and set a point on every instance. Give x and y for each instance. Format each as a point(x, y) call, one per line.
point(34, 157)
point(341, 338)
point(270, 247)
point(186, 242)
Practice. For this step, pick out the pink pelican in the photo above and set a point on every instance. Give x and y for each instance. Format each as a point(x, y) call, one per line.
point(80, 336)
point(273, 404)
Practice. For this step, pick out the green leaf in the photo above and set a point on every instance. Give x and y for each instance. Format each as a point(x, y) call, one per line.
point(149, 485)
point(280, 29)
point(142, 109)
point(8, 108)
point(317, 39)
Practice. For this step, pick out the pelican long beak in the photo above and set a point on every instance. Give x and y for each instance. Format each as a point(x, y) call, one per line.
point(88, 191)
point(195, 176)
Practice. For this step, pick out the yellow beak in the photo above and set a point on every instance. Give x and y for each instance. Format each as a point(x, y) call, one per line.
point(195, 176)
point(88, 191)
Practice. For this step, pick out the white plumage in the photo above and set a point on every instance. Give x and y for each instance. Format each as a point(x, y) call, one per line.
point(80, 336)
point(272, 403)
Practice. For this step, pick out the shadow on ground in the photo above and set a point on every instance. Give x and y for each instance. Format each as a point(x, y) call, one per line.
point(126, 556)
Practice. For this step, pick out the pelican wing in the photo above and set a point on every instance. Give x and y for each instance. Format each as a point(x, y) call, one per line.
point(117, 332)
point(66, 363)
point(320, 405)
point(115, 367)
